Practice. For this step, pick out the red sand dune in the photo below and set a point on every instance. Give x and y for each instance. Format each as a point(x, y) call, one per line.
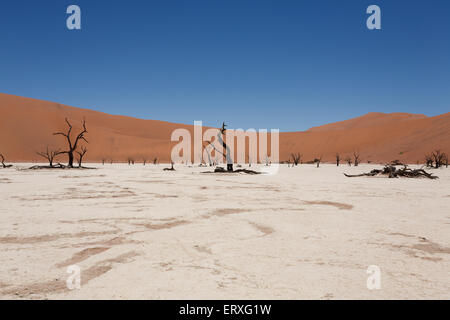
point(27, 125)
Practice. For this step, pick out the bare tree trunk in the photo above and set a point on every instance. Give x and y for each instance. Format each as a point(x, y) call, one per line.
point(70, 153)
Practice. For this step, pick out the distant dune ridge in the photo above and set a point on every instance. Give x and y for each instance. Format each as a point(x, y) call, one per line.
point(27, 126)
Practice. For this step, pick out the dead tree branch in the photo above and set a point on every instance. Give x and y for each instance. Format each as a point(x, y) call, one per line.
point(81, 155)
point(2, 159)
point(169, 169)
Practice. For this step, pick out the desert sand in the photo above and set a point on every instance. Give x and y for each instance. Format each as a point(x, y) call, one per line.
point(137, 232)
point(27, 125)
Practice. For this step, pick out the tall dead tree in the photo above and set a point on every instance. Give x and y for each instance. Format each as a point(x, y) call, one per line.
point(356, 158)
point(72, 146)
point(338, 159)
point(296, 158)
point(81, 154)
point(227, 152)
point(49, 155)
point(2, 159)
point(227, 149)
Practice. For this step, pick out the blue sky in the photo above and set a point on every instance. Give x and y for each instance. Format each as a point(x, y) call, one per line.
point(255, 64)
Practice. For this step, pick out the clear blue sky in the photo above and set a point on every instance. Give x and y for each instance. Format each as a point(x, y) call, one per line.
point(253, 63)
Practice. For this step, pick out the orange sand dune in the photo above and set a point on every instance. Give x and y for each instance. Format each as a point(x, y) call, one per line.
point(26, 126)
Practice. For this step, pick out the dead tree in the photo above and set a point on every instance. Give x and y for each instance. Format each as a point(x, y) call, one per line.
point(296, 158)
point(439, 158)
point(72, 146)
point(318, 160)
point(227, 152)
point(247, 171)
point(338, 159)
point(227, 149)
point(392, 172)
point(81, 154)
point(155, 161)
point(228, 155)
point(349, 161)
point(2, 159)
point(144, 160)
point(49, 155)
point(356, 158)
point(429, 161)
point(130, 161)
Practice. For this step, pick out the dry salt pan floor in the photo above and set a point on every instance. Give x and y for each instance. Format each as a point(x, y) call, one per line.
point(139, 232)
